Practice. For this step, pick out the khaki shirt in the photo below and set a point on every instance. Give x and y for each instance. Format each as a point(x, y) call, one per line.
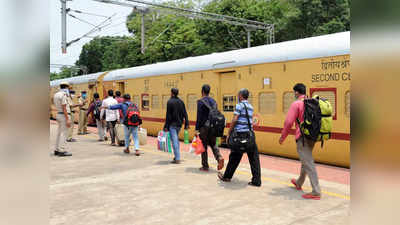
point(60, 99)
point(85, 106)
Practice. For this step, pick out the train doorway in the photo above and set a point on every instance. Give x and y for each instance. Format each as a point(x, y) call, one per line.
point(121, 87)
point(227, 96)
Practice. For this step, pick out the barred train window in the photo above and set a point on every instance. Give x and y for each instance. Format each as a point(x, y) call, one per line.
point(165, 99)
point(155, 102)
point(135, 99)
point(145, 102)
point(347, 104)
point(330, 96)
point(266, 103)
point(229, 103)
point(288, 99)
point(191, 102)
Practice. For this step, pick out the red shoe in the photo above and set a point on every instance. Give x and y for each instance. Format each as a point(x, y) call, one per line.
point(311, 196)
point(204, 169)
point(295, 184)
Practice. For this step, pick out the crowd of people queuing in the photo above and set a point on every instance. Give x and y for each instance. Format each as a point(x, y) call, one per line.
point(241, 139)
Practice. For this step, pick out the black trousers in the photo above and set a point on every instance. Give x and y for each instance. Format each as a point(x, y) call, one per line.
point(234, 159)
point(111, 129)
point(208, 140)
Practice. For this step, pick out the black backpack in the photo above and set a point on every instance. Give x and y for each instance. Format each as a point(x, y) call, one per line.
point(311, 126)
point(96, 111)
point(216, 120)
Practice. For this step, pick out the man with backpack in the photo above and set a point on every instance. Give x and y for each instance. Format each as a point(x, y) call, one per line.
point(95, 107)
point(176, 113)
point(131, 120)
point(304, 145)
point(207, 112)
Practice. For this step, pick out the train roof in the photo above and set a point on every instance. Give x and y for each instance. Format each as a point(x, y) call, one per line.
point(78, 79)
point(314, 47)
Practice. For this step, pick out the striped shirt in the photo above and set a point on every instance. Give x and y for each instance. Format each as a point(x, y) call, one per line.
point(242, 124)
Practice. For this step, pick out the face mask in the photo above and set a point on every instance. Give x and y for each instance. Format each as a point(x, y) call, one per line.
point(84, 96)
point(66, 91)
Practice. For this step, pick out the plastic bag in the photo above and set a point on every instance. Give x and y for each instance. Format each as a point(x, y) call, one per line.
point(196, 146)
point(161, 141)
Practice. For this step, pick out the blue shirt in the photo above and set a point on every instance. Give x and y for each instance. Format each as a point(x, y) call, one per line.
point(241, 123)
point(122, 106)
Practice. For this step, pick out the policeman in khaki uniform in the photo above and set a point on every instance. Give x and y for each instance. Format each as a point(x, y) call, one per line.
point(84, 105)
point(72, 106)
point(63, 119)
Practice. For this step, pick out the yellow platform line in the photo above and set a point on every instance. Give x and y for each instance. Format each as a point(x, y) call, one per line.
point(333, 194)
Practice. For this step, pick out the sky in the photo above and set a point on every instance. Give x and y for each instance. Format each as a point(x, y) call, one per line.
point(76, 28)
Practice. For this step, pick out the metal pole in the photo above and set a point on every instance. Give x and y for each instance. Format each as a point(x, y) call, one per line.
point(64, 26)
point(143, 32)
point(248, 39)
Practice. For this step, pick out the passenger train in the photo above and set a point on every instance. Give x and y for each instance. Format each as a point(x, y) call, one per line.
point(269, 72)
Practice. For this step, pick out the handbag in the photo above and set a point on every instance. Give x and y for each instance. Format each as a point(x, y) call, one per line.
point(242, 141)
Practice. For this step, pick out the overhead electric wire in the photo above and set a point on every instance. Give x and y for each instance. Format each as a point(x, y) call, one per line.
point(92, 14)
point(84, 21)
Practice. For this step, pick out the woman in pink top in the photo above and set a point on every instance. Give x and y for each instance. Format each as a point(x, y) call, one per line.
point(304, 149)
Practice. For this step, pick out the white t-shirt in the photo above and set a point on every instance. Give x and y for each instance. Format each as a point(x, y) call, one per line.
point(111, 115)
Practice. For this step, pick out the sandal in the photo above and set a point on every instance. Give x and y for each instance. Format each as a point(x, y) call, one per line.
point(222, 178)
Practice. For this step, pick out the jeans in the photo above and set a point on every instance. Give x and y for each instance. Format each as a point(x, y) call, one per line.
point(173, 132)
point(128, 130)
point(111, 129)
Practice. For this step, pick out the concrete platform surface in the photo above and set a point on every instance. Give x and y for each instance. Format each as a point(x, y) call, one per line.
point(100, 185)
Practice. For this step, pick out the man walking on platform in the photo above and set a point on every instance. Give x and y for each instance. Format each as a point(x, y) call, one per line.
point(84, 105)
point(208, 139)
point(95, 107)
point(241, 129)
point(111, 115)
point(129, 129)
point(304, 149)
point(176, 114)
point(63, 119)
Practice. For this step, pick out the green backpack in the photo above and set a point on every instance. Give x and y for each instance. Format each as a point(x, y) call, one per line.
point(317, 124)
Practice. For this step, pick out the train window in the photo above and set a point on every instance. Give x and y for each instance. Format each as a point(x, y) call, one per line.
point(266, 103)
point(229, 103)
point(191, 102)
point(347, 103)
point(288, 99)
point(327, 93)
point(135, 99)
point(145, 102)
point(165, 99)
point(155, 102)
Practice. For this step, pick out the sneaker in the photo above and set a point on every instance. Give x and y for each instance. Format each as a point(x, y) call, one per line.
point(62, 154)
point(176, 161)
point(295, 184)
point(254, 184)
point(71, 140)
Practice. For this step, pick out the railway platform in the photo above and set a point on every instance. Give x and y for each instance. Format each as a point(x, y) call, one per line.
point(100, 185)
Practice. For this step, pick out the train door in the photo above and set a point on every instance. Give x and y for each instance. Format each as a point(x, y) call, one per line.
point(228, 94)
point(121, 87)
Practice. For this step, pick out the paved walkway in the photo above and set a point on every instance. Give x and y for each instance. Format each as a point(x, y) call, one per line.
point(101, 185)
